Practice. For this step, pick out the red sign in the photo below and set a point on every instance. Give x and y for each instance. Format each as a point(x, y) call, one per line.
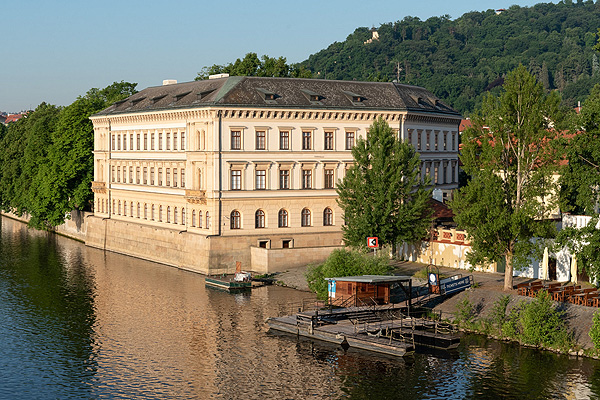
point(373, 242)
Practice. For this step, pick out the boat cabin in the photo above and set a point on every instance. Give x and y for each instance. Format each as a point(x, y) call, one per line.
point(368, 290)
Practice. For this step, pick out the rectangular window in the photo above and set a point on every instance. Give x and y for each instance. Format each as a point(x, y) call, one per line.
point(419, 140)
point(182, 141)
point(445, 140)
point(261, 140)
point(284, 140)
point(328, 179)
point(306, 179)
point(160, 180)
point(145, 175)
point(160, 141)
point(236, 179)
point(427, 140)
point(453, 178)
point(182, 177)
point(306, 140)
point(138, 142)
point(349, 140)
point(175, 181)
point(118, 142)
point(145, 141)
point(113, 142)
point(168, 141)
point(119, 174)
point(124, 141)
point(131, 142)
point(435, 146)
point(167, 176)
point(152, 176)
point(236, 140)
point(137, 175)
point(453, 142)
point(130, 174)
point(436, 173)
point(175, 141)
point(152, 141)
point(284, 179)
point(261, 179)
point(328, 141)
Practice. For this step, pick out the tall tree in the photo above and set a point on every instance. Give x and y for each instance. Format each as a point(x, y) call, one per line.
point(382, 194)
point(251, 65)
point(63, 180)
point(580, 185)
point(509, 154)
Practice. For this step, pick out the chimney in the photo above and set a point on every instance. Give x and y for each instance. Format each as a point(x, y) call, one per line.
point(169, 82)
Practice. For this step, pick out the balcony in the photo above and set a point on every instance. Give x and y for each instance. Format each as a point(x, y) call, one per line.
point(195, 196)
point(98, 187)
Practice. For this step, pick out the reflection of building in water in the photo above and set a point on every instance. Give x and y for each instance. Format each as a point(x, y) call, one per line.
point(203, 174)
point(161, 331)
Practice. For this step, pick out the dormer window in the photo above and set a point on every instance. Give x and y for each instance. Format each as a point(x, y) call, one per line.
point(356, 99)
point(156, 99)
point(268, 96)
point(135, 101)
point(180, 96)
point(313, 97)
point(204, 94)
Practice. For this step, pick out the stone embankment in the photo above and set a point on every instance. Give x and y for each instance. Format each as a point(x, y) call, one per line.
point(489, 288)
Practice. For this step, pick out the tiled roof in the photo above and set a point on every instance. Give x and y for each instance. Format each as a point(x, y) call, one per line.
point(239, 91)
point(13, 118)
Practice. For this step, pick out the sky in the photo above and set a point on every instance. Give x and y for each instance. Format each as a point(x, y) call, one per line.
point(54, 51)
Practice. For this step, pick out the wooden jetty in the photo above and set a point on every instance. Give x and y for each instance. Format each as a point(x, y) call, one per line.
point(378, 329)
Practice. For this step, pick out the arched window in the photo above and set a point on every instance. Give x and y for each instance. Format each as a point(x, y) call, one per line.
point(327, 217)
point(160, 210)
point(175, 215)
point(138, 210)
point(168, 214)
point(306, 217)
point(119, 212)
point(182, 216)
point(199, 219)
point(114, 206)
point(125, 208)
point(145, 211)
point(283, 218)
point(235, 219)
point(259, 220)
point(207, 220)
point(131, 208)
point(193, 217)
point(152, 213)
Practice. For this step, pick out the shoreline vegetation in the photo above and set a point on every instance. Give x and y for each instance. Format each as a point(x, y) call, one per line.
point(487, 310)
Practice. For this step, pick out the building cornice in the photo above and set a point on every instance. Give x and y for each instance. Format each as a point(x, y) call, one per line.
point(273, 115)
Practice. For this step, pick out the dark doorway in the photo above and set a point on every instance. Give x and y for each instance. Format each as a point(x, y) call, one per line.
point(552, 269)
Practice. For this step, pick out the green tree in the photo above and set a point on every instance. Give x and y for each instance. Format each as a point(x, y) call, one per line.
point(508, 154)
point(251, 65)
point(63, 180)
point(382, 193)
point(344, 262)
point(580, 185)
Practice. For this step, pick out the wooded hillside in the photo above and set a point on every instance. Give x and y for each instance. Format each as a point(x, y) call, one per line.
point(459, 60)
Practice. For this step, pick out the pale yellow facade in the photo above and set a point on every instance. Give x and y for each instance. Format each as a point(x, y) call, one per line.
point(199, 187)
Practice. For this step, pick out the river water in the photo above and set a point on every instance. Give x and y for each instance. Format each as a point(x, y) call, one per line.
point(79, 323)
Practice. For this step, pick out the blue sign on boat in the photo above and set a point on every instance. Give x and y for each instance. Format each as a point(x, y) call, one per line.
point(456, 285)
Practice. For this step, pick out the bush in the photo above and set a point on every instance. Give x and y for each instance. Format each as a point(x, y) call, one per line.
point(595, 330)
point(542, 324)
point(464, 312)
point(345, 262)
point(498, 314)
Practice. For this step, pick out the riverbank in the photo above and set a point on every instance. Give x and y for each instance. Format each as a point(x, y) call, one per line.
point(488, 290)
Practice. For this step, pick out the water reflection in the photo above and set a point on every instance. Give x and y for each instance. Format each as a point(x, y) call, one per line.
point(77, 322)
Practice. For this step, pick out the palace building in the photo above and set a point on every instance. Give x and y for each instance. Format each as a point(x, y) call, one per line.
point(202, 174)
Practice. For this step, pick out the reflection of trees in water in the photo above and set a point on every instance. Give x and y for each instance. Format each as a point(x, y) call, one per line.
point(51, 304)
point(507, 370)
